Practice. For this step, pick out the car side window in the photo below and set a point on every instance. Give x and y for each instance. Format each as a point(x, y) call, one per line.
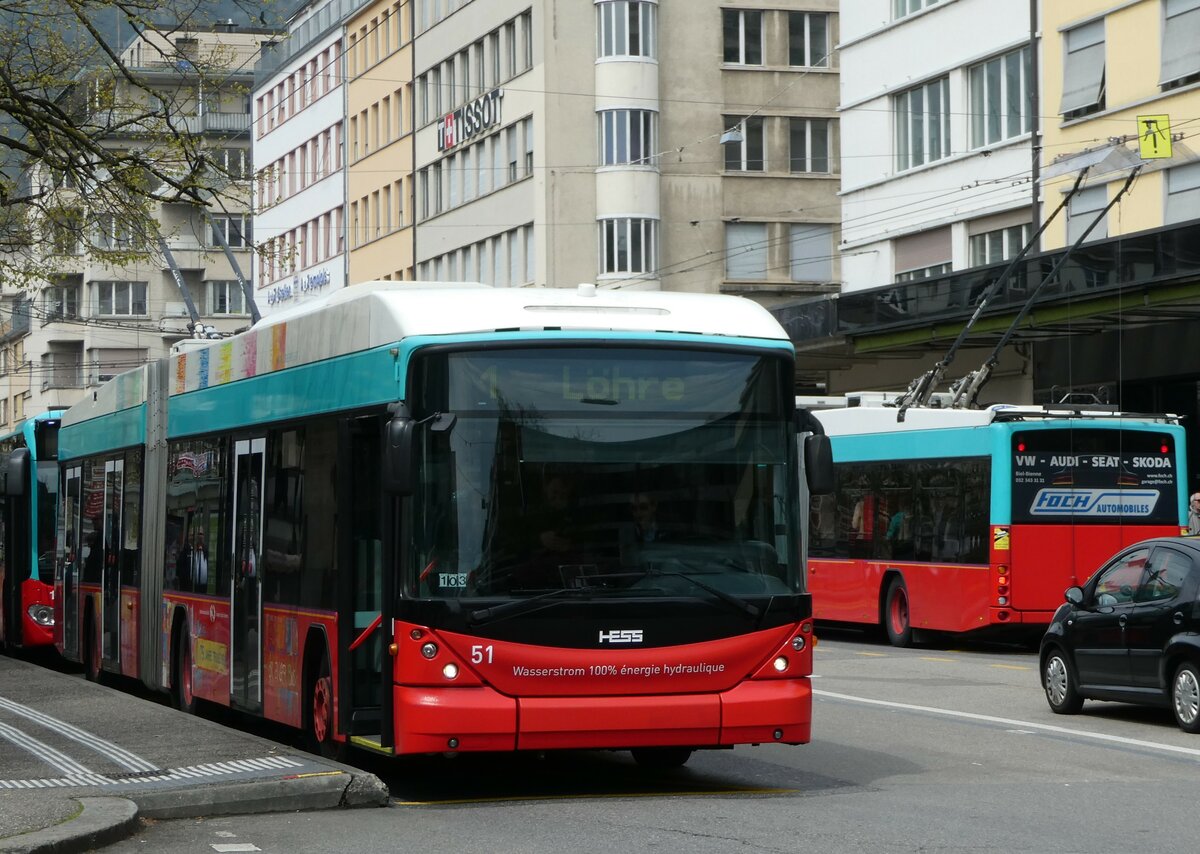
point(1118, 583)
point(1165, 575)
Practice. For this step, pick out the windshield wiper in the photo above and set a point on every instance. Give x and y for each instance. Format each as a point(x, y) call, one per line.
point(727, 598)
point(521, 606)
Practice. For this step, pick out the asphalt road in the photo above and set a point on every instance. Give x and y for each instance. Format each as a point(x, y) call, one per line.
point(930, 749)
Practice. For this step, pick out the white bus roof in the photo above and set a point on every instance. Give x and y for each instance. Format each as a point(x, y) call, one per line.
point(866, 412)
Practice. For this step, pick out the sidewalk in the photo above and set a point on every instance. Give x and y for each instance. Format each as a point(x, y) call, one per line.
point(80, 763)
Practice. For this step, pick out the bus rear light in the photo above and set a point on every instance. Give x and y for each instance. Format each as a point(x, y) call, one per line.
point(1002, 589)
point(1002, 579)
point(781, 664)
point(1002, 600)
point(429, 650)
point(43, 615)
point(1002, 616)
point(1002, 569)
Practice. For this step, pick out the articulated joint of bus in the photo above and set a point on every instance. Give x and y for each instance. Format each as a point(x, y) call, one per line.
point(460, 693)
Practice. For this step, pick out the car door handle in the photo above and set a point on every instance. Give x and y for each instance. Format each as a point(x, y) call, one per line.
point(1121, 620)
point(1177, 617)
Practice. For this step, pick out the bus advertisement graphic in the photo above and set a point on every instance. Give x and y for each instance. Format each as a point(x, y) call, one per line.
point(1055, 487)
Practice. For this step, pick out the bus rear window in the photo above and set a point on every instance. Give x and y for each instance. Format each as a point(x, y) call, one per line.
point(1094, 476)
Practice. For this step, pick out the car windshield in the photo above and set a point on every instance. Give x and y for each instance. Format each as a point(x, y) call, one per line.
point(603, 470)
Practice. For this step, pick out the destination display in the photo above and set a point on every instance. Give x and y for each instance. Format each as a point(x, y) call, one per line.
point(1096, 476)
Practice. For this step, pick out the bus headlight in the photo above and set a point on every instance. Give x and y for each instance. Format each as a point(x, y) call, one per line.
point(43, 615)
point(450, 671)
point(781, 664)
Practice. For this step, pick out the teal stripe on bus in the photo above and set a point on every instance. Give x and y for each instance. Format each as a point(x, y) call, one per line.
point(367, 378)
point(122, 429)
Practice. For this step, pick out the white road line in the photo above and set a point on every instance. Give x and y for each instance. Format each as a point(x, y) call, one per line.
point(232, 847)
point(1011, 722)
point(126, 759)
point(58, 760)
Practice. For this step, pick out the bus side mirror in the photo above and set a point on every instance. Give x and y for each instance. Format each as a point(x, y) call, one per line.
point(18, 473)
point(818, 464)
point(398, 456)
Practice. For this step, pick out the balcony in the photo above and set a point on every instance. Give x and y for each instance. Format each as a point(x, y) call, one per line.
point(1139, 275)
point(17, 324)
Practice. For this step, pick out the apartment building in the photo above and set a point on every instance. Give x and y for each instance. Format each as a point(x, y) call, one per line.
point(656, 144)
point(299, 159)
point(92, 320)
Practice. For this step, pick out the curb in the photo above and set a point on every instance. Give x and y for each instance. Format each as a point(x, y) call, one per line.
point(102, 821)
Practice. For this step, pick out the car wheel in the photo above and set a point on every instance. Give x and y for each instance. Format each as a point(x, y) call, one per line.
point(895, 613)
point(1058, 678)
point(1185, 697)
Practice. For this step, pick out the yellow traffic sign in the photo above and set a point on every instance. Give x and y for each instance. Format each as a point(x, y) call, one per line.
point(1154, 136)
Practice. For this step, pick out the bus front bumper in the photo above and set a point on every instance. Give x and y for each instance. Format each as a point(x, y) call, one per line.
point(436, 720)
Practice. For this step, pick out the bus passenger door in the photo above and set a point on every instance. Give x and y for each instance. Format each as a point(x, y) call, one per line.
point(110, 578)
point(245, 675)
point(66, 592)
point(364, 668)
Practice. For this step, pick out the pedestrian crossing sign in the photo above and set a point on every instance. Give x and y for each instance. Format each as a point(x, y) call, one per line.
point(1154, 137)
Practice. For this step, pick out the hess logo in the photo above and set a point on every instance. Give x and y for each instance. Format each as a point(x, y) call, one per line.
point(621, 636)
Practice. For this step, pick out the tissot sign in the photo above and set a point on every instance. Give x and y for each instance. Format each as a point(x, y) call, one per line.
point(469, 120)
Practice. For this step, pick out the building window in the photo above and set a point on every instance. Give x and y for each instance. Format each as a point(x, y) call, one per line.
point(992, 247)
point(627, 137)
point(1181, 34)
point(113, 232)
point(1083, 70)
point(121, 299)
point(808, 39)
point(924, 272)
point(743, 36)
point(810, 252)
point(745, 250)
point(923, 124)
point(62, 301)
point(232, 162)
point(235, 228)
point(626, 28)
point(900, 8)
point(1183, 192)
point(628, 245)
point(810, 145)
point(1083, 209)
point(748, 154)
point(226, 297)
point(1000, 98)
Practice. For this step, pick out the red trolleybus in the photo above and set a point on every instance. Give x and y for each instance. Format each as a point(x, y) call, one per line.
point(960, 520)
point(432, 518)
point(28, 503)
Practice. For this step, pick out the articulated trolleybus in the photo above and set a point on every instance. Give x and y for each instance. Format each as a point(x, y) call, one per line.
point(431, 518)
point(958, 520)
point(28, 503)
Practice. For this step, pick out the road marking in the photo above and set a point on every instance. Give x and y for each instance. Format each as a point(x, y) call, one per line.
point(232, 847)
point(1011, 666)
point(1011, 722)
point(931, 658)
point(78, 775)
point(115, 752)
point(873, 654)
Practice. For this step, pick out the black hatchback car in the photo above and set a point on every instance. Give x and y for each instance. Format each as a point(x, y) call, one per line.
point(1131, 633)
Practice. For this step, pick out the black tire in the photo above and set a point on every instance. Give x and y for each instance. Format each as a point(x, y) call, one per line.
point(661, 757)
point(182, 696)
point(1185, 697)
point(91, 649)
point(896, 620)
point(1062, 688)
point(319, 715)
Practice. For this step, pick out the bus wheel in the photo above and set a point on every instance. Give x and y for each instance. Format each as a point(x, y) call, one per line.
point(1059, 681)
point(661, 757)
point(895, 613)
point(181, 693)
point(320, 715)
point(91, 649)
point(1185, 697)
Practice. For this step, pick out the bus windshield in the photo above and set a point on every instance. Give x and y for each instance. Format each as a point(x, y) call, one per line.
point(603, 471)
point(1094, 476)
